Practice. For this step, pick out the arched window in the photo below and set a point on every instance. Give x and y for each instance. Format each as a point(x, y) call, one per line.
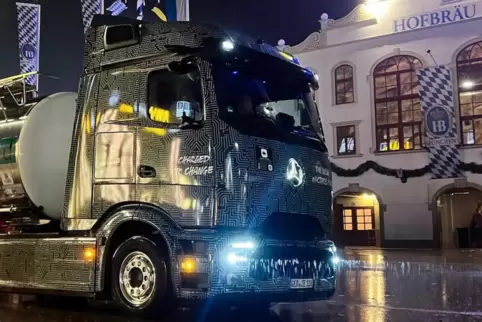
point(344, 93)
point(398, 118)
point(469, 80)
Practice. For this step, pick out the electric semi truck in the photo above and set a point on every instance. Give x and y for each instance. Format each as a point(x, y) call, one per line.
point(190, 166)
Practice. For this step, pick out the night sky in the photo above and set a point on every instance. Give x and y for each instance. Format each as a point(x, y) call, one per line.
point(61, 40)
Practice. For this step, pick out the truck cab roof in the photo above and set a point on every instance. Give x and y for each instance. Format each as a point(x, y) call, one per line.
point(116, 40)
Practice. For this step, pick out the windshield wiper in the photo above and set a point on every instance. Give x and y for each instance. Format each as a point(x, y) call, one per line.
point(305, 128)
point(308, 130)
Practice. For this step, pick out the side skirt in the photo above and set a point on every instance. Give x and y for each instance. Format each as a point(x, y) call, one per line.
point(65, 264)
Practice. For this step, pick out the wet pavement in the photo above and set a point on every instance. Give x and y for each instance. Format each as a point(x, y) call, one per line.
point(373, 286)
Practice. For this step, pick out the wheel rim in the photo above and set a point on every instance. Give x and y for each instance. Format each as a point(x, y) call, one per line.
point(137, 278)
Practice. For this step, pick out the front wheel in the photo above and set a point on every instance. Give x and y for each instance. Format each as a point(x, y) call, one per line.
point(140, 283)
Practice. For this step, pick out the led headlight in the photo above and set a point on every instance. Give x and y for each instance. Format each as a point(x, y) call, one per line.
point(335, 259)
point(243, 245)
point(238, 252)
point(234, 258)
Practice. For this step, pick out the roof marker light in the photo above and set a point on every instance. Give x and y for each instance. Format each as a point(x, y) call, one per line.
point(227, 45)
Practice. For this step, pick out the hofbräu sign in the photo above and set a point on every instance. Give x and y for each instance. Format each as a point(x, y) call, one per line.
point(440, 17)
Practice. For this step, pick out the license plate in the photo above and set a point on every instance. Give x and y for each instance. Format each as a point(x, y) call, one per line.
point(301, 283)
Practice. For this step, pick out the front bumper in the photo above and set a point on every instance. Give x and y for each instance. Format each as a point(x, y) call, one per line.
point(257, 270)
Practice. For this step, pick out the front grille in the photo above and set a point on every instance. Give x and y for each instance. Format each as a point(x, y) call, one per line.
point(265, 269)
point(288, 226)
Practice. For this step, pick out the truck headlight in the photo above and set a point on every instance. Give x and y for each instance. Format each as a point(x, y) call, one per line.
point(234, 258)
point(335, 259)
point(243, 245)
point(238, 252)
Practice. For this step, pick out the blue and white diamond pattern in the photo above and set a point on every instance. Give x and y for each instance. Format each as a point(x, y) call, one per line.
point(89, 9)
point(436, 90)
point(117, 8)
point(28, 18)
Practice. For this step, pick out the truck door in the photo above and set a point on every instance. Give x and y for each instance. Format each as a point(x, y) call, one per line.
point(114, 141)
point(174, 157)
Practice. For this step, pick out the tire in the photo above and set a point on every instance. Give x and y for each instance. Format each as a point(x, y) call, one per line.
point(145, 289)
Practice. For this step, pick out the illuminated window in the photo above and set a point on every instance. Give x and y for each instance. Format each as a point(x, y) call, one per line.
point(346, 139)
point(347, 219)
point(344, 93)
point(398, 117)
point(364, 219)
point(358, 219)
point(469, 79)
point(172, 95)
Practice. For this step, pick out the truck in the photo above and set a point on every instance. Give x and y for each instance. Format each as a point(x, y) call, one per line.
point(191, 166)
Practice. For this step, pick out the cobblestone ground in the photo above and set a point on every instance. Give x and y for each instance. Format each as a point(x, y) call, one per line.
point(373, 285)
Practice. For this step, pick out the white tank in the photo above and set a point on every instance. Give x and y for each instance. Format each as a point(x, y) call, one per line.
point(43, 151)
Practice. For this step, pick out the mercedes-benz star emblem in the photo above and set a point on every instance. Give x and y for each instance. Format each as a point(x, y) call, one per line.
point(294, 173)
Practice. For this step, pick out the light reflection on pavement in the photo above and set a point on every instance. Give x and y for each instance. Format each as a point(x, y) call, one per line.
point(373, 286)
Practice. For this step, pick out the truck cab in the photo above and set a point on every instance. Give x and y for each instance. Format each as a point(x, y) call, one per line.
point(197, 170)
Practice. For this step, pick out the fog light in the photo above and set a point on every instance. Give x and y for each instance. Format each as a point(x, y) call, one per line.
point(188, 265)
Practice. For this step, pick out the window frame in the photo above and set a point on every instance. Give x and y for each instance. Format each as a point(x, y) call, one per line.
point(339, 139)
point(346, 223)
point(398, 99)
point(335, 127)
point(148, 105)
point(472, 118)
point(354, 219)
point(335, 82)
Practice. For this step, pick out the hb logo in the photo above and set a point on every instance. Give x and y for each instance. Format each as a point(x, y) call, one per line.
point(438, 121)
point(439, 126)
point(28, 52)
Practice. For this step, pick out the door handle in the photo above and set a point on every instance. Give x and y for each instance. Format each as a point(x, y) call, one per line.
point(145, 171)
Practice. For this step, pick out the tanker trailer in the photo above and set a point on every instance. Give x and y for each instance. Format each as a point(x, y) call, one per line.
point(33, 163)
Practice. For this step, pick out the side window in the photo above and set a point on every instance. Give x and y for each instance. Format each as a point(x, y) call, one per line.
point(173, 95)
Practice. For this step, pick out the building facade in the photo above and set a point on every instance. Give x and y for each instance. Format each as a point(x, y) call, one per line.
point(373, 65)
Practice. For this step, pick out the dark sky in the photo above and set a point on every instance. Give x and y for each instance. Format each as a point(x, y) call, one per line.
point(61, 40)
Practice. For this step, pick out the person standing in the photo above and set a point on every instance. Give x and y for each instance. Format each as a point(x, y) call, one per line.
point(476, 227)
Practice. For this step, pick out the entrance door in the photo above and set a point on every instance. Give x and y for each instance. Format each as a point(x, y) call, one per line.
point(359, 226)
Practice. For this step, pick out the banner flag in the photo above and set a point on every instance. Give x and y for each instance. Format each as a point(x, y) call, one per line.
point(437, 104)
point(28, 18)
point(149, 10)
point(89, 9)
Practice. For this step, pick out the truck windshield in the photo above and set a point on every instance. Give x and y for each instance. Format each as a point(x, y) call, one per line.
point(252, 96)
